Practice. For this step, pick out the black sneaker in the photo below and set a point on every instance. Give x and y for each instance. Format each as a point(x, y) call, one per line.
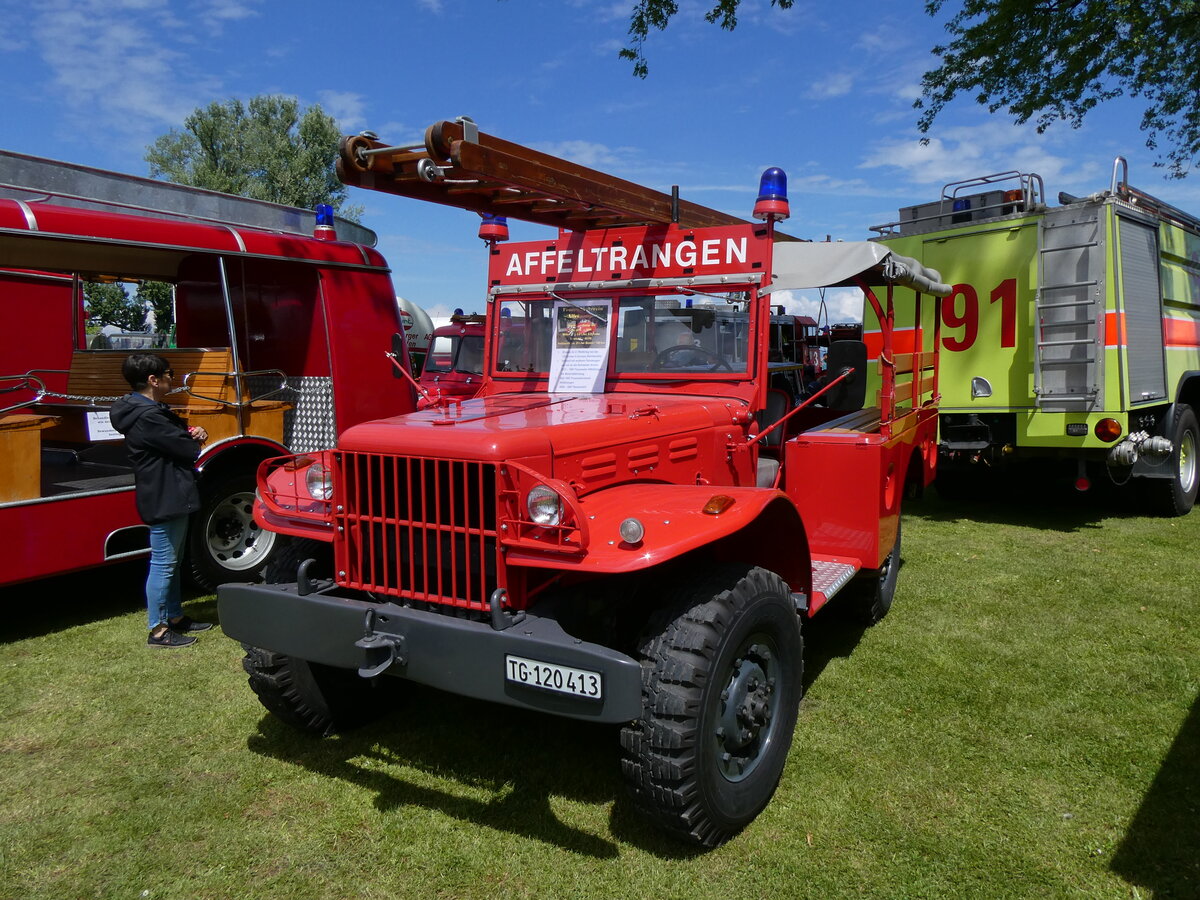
point(188, 624)
point(170, 639)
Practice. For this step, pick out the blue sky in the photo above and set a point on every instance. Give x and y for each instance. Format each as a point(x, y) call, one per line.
point(822, 90)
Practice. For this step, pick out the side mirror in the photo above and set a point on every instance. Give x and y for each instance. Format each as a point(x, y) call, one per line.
point(850, 394)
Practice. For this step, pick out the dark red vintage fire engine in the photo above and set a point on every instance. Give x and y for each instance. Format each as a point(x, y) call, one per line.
point(627, 525)
point(280, 326)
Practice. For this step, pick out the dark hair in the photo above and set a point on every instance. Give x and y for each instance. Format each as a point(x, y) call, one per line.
point(138, 367)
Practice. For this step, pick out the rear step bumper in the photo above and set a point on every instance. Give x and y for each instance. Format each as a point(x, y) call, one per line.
point(457, 655)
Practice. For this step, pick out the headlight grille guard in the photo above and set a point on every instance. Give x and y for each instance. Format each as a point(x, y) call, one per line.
point(283, 493)
point(517, 530)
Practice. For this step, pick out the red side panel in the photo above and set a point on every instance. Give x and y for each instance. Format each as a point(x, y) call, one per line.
point(62, 536)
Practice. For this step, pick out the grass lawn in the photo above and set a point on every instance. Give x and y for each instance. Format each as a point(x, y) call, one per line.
point(1025, 723)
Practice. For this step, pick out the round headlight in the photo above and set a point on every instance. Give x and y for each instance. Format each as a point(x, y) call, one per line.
point(318, 478)
point(544, 505)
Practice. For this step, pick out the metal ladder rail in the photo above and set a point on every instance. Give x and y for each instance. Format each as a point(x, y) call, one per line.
point(1042, 343)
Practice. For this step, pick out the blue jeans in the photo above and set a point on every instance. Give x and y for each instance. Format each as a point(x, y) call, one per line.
point(163, 598)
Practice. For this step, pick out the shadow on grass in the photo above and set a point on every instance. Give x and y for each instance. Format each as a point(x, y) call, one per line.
point(1160, 847)
point(48, 605)
point(1035, 496)
point(522, 758)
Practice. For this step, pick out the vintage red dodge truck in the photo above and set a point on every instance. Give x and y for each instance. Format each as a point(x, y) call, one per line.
point(627, 525)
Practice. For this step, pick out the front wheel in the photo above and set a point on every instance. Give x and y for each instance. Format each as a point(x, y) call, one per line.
point(721, 686)
point(307, 696)
point(225, 543)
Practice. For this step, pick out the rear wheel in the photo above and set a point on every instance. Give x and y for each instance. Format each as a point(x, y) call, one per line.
point(225, 543)
point(1175, 496)
point(873, 591)
point(721, 686)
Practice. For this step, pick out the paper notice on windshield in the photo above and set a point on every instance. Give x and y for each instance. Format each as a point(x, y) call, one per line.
point(580, 358)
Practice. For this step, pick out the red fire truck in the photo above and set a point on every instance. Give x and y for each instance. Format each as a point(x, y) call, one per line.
point(627, 525)
point(454, 364)
point(256, 288)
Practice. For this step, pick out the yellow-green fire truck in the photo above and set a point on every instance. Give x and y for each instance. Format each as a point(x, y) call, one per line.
point(1072, 333)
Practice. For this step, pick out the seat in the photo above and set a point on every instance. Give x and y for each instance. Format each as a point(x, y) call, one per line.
point(777, 406)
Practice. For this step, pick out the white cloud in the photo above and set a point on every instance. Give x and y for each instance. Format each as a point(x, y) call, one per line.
point(836, 84)
point(434, 6)
point(590, 154)
point(838, 304)
point(215, 13)
point(969, 151)
point(346, 107)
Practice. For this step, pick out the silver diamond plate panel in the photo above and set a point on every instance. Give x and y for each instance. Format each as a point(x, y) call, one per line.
point(309, 424)
point(831, 577)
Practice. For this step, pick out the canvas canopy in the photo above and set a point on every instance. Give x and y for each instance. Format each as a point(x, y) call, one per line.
point(801, 265)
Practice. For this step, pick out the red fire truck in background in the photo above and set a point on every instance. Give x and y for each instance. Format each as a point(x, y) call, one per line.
point(454, 364)
point(281, 325)
point(628, 524)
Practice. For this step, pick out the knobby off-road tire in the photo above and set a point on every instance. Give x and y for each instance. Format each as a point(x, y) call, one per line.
point(1175, 496)
point(873, 591)
point(224, 542)
point(722, 664)
point(308, 696)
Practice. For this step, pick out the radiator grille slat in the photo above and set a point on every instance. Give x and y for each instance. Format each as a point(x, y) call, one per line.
point(419, 528)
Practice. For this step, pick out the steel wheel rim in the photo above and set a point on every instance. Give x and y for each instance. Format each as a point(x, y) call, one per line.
point(1187, 461)
point(234, 540)
point(747, 709)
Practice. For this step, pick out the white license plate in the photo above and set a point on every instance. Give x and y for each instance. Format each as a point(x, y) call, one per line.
point(552, 677)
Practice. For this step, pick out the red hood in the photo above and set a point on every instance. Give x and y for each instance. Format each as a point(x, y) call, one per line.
point(521, 426)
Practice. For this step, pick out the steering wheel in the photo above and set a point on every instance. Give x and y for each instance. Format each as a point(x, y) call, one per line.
point(661, 360)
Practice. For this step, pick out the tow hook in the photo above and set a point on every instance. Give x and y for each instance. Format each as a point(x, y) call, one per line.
point(501, 619)
point(380, 650)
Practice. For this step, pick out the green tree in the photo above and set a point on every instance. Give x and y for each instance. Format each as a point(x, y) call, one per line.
point(158, 296)
point(657, 14)
point(108, 304)
point(266, 149)
point(1058, 59)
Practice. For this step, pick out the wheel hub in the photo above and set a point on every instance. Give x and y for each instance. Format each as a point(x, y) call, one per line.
point(233, 537)
point(747, 709)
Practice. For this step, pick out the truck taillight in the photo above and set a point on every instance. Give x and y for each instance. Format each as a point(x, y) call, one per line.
point(1108, 430)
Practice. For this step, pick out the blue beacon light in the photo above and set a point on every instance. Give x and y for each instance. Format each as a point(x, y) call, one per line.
point(323, 231)
point(772, 204)
point(493, 227)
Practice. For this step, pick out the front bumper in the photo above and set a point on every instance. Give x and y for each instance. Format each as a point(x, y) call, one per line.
point(458, 655)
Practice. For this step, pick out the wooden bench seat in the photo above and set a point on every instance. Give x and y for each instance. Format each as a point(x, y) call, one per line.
point(865, 420)
point(204, 394)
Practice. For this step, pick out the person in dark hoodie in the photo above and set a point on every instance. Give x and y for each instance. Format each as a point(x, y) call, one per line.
point(164, 451)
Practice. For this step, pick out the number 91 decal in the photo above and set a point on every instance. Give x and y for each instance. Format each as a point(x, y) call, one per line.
point(960, 309)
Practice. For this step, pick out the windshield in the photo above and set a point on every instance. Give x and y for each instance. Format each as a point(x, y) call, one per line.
point(455, 353)
point(664, 335)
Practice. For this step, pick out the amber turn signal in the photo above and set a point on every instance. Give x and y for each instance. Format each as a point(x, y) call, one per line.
point(717, 504)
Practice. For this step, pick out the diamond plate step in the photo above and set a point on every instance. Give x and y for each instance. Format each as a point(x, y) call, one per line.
point(830, 576)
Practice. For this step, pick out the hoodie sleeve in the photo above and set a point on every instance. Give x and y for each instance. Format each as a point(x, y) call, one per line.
point(164, 433)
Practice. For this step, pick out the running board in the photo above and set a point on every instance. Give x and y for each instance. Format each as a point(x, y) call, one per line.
point(829, 574)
